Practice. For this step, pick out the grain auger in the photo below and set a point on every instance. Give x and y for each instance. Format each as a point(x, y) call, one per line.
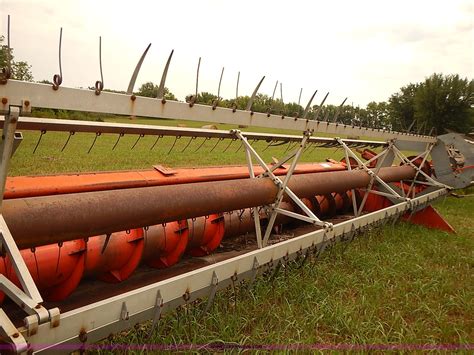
point(112, 249)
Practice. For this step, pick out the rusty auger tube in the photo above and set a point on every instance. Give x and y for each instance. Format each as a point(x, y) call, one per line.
point(45, 220)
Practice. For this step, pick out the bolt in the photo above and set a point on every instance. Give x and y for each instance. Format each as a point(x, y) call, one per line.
point(83, 335)
point(16, 335)
point(27, 103)
point(133, 97)
point(4, 100)
point(38, 306)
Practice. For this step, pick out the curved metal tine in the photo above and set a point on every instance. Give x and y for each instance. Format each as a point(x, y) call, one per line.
point(254, 94)
point(320, 107)
point(411, 126)
point(202, 143)
point(97, 134)
point(189, 142)
point(6, 72)
point(339, 110)
point(269, 111)
point(308, 106)
point(193, 99)
point(218, 141)
point(161, 88)
point(228, 146)
point(237, 86)
point(234, 105)
point(240, 147)
point(133, 79)
point(156, 141)
point(268, 146)
point(99, 84)
point(43, 132)
point(58, 78)
point(140, 136)
point(422, 126)
point(292, 145)
point(121, 134)
point(216, 101)
point(299, 97)
point(174, 143)
point(326, 116)
point(67, 140)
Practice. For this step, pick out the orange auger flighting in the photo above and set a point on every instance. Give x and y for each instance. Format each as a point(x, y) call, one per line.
point(113, 257)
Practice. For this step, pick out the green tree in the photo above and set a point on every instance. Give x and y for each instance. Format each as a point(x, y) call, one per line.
point(377, 115)
point(20, 70)
point(149, 89)
point(441, 102)
point(402, 107)
point(445, 102)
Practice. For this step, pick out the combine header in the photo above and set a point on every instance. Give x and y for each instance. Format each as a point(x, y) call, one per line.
point(157, 234)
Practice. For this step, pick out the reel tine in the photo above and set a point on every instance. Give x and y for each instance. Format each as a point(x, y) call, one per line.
point(67, 141)
point(308, 106)
point(121, 134)
point(234, 105)
point(268, 146)
point(320, 107)
point(202, 143)
point(232, 141)
point(215, 102)
point(43, 132)
point(299, 97)
point(254, 94)
point(133, 79)
point(174, 143)
point(58, 78)
point(218, 141)
point(282, 112)
point(97, 134)
point(339, 110)
point(156, 141)
point(138, 139)
point(240, 146)
point(411, 126)
point(193, 98)
point(189, 142)
point(161, 88)
point(99, 84)
point(237, 86)
point(269, 111)
point(6, 72)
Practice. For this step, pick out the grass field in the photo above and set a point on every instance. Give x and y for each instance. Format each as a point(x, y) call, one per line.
point(399, 285)
point(403, 286)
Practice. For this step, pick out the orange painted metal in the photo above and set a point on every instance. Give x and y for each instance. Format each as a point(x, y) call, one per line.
point(430, 218)
point(30, 186)
point(119, 259)
point(205, 234)
point(56, 269)
point(165, 244)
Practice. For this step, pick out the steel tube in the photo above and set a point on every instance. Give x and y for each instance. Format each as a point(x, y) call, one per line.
point(50, 219)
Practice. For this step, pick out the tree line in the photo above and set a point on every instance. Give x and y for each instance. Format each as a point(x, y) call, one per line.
point(438, 104)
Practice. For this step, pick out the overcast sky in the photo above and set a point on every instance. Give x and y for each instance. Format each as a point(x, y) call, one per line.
point(363, 49)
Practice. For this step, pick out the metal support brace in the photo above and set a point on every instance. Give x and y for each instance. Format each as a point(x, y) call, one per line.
point(282, 187)
point(29, 298)
point(373, 175)
point(404, 159)
point(256, 215)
